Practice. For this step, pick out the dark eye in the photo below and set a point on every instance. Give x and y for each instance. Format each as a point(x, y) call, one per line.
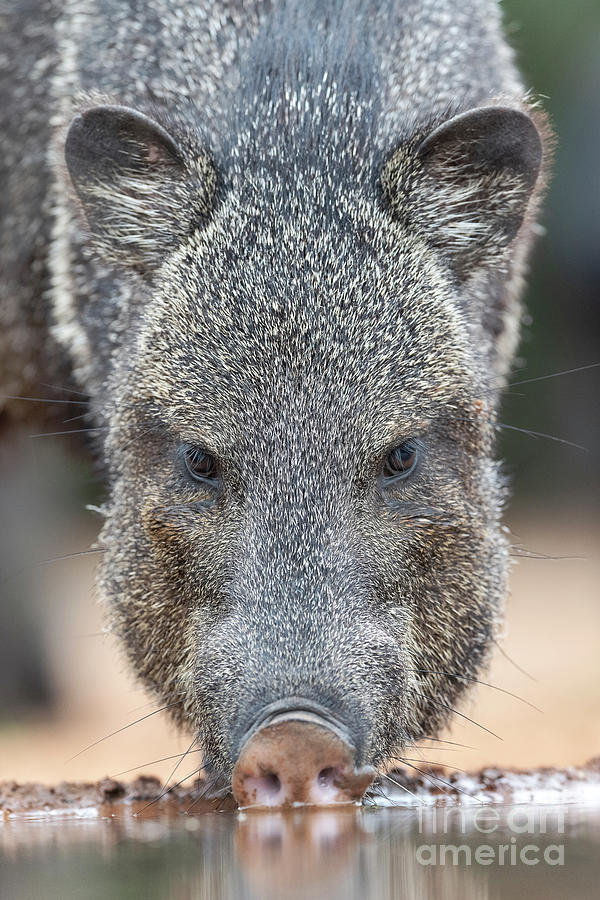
point(200, 465)
point(401, 461)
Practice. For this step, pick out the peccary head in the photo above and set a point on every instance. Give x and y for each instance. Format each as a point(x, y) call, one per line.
point(304, 506)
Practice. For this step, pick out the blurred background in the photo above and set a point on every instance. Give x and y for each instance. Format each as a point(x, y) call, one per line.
point(63, 684)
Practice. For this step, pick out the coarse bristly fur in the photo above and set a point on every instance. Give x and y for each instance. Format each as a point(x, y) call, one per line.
point(291, 234)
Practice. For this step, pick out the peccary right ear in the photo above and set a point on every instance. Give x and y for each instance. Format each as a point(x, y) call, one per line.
point(469, 187)
point(142, 191)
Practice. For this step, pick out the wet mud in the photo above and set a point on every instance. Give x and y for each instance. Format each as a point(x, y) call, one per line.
point(432, 786)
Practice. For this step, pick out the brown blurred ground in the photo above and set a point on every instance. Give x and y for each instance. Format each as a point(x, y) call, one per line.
point(552, 631)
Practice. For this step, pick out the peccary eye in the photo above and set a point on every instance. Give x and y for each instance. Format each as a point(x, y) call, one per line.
point(200, 465)
point(401, 461)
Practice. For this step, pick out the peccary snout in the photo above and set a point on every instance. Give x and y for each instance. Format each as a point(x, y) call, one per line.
point(298, 757)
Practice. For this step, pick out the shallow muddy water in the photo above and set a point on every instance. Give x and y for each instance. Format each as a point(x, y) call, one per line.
point(109, 852)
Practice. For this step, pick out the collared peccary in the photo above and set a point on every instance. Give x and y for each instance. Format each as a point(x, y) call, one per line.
point(280, 245)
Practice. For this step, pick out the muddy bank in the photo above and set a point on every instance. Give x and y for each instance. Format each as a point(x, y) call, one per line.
point(431, 786)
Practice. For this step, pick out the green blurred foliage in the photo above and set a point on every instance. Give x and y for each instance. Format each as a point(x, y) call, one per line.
point(558, 51)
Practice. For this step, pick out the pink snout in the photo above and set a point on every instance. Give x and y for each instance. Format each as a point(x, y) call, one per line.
point(295, 761)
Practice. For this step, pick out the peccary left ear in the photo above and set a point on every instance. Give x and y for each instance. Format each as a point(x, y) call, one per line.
point(470, 186)
point(141, 189)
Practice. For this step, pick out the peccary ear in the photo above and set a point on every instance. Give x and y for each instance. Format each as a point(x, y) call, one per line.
point(142, 192)
point(474, 177)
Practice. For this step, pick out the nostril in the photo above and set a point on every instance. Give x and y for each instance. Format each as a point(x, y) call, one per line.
point(325, 789)
point(264, 790)
point(326, 776)
point(270, 784)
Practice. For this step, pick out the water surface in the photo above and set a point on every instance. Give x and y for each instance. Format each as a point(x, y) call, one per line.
point(355, 853)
